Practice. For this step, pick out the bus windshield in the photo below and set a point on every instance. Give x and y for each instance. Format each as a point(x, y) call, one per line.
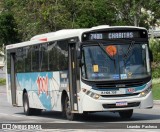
point(118, 61)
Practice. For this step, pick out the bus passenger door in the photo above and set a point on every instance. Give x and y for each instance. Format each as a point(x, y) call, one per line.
point(73, 77)
point(13, 80)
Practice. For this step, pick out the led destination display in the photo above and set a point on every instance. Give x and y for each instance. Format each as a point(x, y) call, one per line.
point(114, 35)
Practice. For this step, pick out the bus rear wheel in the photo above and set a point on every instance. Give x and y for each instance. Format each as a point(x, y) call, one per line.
point(67, 109)
point(126, 114)
point(27, 109)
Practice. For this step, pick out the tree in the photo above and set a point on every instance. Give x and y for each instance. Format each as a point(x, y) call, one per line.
point(135, 12)
point(8, 32)
point(89, 13)
point(40, 16)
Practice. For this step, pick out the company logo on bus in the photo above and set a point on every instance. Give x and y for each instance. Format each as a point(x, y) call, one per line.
point(130, 90)
point(42, 83)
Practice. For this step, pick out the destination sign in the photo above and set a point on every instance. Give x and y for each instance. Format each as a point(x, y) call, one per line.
point(114, 35)
point(121, 35)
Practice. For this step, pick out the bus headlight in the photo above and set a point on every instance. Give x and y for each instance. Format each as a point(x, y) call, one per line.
point(91, 94)
point(96, 96)
point(146, 91)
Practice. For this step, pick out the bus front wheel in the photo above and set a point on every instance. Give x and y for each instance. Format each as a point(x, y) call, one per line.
point(126, 114)
point(67, 109)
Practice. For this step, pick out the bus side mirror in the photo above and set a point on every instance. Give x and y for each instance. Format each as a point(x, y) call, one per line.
point(150, 55)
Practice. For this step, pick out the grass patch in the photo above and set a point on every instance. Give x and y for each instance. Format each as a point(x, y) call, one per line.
point(2, 81)
point(156, 91)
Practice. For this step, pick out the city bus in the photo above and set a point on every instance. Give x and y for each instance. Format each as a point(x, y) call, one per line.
point(81, 71)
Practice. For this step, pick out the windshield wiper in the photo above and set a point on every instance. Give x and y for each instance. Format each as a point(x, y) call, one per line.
point(113, 59)
point(129, 49)
point(101, 46)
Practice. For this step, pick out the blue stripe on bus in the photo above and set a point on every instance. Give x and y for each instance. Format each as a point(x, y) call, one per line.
point(138, 88)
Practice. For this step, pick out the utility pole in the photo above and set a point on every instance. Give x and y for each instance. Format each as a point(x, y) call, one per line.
point(137, 11)
point(135, 14)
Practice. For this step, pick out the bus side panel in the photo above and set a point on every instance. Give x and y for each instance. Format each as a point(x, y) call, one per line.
point(8, 78)
point(20, 88)
point(54, 86)
point(36, 87)
point(43, 89)
point(19, 91)
point(19, 97)
point(8, 88)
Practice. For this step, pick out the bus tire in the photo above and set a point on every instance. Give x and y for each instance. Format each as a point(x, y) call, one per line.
point(126, 114)
point(27, 109)
point(67, 109)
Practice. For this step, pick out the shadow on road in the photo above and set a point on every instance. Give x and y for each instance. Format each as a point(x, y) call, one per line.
point(99, 117)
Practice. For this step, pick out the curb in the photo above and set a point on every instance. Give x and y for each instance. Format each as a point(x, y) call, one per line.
point(156, 102)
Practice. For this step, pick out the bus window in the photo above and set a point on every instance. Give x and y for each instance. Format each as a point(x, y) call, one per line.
point(27, 58)
point(35, 58)
point(43, 57)
point(62, 47)
point(58, 56)
point(52, 54)
point(19, 60)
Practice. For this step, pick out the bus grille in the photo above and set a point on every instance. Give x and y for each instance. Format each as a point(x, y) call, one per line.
point(134, 104)
point(119, 84)
point(120, 95)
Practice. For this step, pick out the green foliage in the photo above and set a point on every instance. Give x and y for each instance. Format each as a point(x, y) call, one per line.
point(40, 16)
point(155, 47)
point(2, 81)
point(156, 91)
point(156, 72)
point(8, 32)
point(95, 12)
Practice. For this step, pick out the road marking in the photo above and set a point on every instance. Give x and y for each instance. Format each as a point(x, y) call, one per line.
point(33, 118)
point(17, 116)
point(10, 115)
point(4, 114)
point(30, 118)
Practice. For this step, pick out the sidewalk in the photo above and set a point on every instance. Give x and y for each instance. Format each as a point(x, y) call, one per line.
point(3, 89)
point(156, 102)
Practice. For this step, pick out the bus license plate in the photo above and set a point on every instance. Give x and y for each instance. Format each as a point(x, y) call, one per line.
point(121, 103)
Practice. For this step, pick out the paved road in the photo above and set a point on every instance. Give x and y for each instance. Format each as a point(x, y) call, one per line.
point(9, 114)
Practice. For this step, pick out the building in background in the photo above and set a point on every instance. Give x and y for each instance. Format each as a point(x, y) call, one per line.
point(154, 33)
point(2, 65)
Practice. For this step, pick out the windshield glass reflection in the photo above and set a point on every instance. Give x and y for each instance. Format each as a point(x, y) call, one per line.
point(115, 61)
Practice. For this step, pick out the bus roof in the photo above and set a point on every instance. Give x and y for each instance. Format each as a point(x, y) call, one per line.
point(63, 34)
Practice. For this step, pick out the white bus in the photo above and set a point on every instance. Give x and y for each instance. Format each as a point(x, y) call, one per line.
point(104, 68)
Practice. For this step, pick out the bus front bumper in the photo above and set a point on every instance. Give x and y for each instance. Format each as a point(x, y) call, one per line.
point(89, 104)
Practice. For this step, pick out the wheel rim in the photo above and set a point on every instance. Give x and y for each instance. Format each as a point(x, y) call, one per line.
point(25, 106)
